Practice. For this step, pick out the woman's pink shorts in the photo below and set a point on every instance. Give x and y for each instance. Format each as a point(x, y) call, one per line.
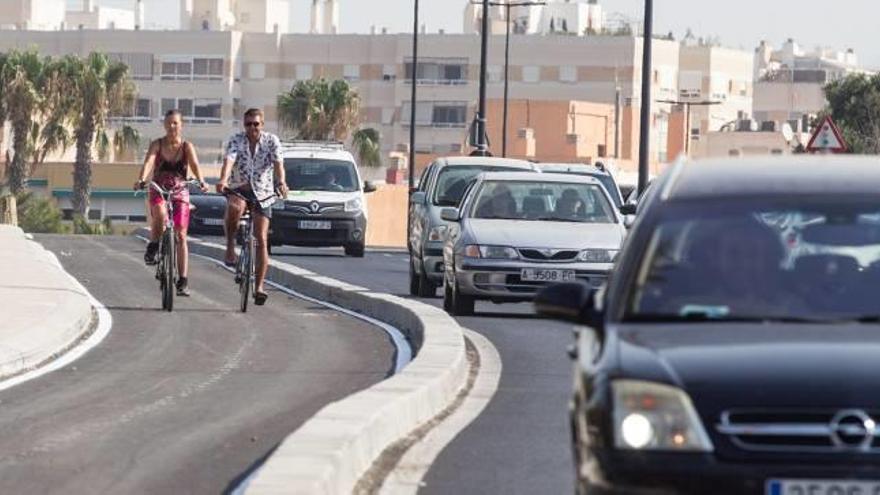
point(181, 208)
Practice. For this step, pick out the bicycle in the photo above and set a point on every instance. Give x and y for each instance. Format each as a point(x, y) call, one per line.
point(166, 268)
point(245, 268)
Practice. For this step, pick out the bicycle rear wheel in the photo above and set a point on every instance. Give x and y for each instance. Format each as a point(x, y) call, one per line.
point(169, 256)
point(247, 272)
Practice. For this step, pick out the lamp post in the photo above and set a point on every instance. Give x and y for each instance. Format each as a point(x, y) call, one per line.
point(412, 101)
point(482, 145)
point(508, 5)
point(687, 105)
point(645, 122)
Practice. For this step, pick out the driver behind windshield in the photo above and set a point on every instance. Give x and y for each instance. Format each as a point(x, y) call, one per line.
point(570, 206)
point(330, 183)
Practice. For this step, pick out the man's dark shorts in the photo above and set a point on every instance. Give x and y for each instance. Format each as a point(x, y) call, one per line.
point(248, 193)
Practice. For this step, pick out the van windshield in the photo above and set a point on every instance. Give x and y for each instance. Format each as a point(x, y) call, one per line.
point(314, 174)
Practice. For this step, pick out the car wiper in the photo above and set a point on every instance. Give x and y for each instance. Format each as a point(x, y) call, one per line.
point(557, 219)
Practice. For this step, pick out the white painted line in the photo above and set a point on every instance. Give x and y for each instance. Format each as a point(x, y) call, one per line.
point(406, 477)
point(105, 322)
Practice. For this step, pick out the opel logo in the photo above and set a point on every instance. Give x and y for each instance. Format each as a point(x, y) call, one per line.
point(314, 206)
point(853, 429)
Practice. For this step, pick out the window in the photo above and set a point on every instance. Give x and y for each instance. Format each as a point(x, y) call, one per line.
point(436, 114)
point(568, 74)
point(257, 71)
point(439, 71)
point(208, 69)
point(531, 74)
point(140, 65)
point(176, 71)
point(495, 73)
point(387, 116)
point(140, 111)
point(304, 72)
point(389, 72)
point(207, 111)
point(351, 72)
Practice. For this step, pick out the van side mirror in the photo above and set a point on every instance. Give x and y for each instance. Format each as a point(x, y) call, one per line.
point(573, 302)
point(417, 198)
point(628, 209)
point(369, 186)
point(450, 214)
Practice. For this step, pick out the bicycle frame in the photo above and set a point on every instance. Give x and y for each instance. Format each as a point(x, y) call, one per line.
point(245, 269)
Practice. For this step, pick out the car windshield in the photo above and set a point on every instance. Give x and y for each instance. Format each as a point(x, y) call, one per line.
point(453, 180)
point(812, 264)
point(312, 174)
point(542, 201)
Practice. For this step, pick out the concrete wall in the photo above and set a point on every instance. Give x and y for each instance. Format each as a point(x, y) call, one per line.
point(388, 207)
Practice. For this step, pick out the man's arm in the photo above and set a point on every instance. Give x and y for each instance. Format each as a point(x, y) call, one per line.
point(228, 162)
point(280, 179)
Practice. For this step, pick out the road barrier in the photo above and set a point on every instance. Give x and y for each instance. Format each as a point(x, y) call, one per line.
point(331, 451)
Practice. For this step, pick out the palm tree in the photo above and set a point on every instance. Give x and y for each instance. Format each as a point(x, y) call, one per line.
point(125, 141)
point(101, 88)
point(366, 145)
point(23, 79)
point(320, 110)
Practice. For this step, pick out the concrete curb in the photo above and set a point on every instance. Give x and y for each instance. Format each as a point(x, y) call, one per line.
point(331, 451)
point(47, 311)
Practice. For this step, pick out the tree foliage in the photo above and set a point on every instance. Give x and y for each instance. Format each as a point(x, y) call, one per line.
point(854, 104)
point(320, 110)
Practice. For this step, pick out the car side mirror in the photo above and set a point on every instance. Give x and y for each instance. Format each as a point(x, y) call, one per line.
point(573, 302)
point(369, 187)
point(628, 209)
point(418, 198)
point(449, 214)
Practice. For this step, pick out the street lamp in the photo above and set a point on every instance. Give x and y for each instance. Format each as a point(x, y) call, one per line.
point(508, 5)
point(645, 122)
point(687, 105)
point(412, 117)
point(482, 145)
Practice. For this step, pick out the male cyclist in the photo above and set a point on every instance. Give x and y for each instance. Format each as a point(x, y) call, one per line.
point(252, 167)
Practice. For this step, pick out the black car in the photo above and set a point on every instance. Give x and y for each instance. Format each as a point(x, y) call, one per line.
point(208, 211)
point(736, 347)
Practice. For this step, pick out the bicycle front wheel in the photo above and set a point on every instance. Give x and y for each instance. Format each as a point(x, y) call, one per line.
point(247, 273)
point(169, 256)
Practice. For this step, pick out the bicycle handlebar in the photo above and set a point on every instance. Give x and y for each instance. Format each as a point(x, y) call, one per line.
point(227, 191)
point(166, 192)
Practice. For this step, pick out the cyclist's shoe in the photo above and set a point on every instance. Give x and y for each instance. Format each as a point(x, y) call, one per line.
point(150, 255)
point(260, 298)
point(183, 287)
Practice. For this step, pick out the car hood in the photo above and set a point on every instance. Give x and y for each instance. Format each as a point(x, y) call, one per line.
point(766, 365)
point(563, 235)
point(322, 196)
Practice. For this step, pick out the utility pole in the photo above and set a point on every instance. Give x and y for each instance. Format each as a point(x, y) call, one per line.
point(507, 6)
point(412, 101)
point(687, 105)
point(482, 145)
point(647, 72)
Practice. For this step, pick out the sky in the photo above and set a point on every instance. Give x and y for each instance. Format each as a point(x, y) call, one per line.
point(738, 23)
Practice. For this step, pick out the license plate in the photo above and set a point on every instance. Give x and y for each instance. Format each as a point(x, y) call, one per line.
point(822, 487)
point(212, 221)
point(536, 275)
point(314, 225)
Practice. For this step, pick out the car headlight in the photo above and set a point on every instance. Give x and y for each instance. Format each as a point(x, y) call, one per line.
point(491, 252)
point(597, 255)
point(355, 204)
point(651, 416)
point(438, 233)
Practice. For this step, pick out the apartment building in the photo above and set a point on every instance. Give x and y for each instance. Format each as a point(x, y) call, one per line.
point(32, 14)
point(790, 80)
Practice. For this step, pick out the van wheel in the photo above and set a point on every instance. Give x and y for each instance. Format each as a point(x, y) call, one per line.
point(447, 297)
point(413, 279)
point(426, 288)
point(355, 250)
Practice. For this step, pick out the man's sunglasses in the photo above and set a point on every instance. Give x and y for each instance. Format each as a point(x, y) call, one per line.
point(253, 124)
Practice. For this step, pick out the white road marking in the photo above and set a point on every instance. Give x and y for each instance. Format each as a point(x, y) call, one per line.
point(406, 477)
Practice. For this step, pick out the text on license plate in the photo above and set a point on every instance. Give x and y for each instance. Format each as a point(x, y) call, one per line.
point(537, 275)
point(823, 487)
point(213, 221)
point(314, 224)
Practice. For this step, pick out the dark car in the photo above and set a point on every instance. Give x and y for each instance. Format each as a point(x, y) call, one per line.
point(724, 358)
point(209, 208)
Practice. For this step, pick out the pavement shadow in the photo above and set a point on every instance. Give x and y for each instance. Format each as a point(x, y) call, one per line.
point(160, 310)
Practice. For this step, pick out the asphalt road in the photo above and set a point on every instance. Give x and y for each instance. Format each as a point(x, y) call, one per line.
point(520, 443)
point(183, 402)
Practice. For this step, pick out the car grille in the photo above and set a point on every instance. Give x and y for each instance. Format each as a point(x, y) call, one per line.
point(810, 431)
point(307, 208)
point(548, 254)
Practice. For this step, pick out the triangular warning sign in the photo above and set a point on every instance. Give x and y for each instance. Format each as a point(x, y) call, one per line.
point(826, 138)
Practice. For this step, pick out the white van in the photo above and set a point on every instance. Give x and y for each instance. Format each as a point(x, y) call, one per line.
point(326, 204)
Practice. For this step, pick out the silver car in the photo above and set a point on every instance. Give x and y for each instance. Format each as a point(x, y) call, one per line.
point(442, 185)
point(516, 233)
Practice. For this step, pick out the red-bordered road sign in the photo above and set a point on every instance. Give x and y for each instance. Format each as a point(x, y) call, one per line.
point(827, 138)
